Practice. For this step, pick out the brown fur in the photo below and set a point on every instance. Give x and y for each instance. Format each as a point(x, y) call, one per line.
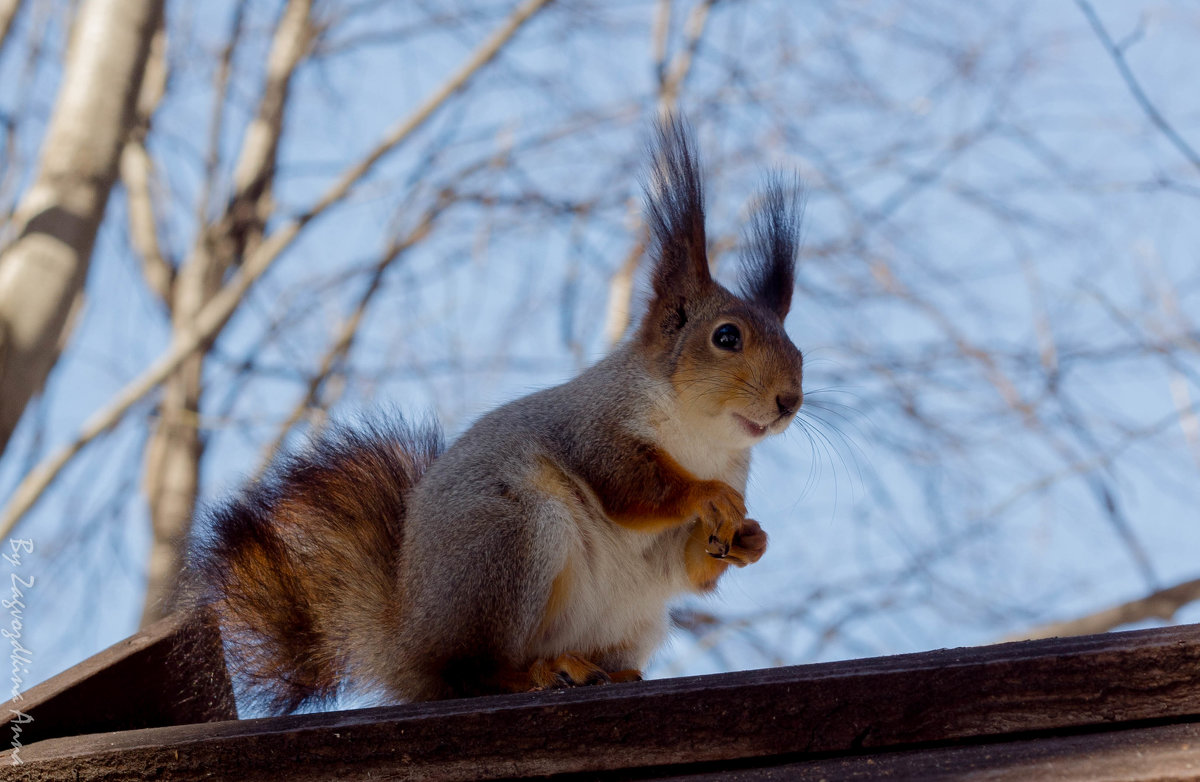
point(560, 591)
point(299, 561)
point(702, 568)
point(651, 492)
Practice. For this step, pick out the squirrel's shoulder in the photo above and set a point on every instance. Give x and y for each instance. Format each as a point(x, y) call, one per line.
point(614, 396)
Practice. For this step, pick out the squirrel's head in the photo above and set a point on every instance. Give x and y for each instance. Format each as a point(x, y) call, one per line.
point(733, 368)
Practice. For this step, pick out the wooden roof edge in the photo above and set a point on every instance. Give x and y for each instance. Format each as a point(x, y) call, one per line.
point(1157, 753)
point(1057, 686)
point(169, 673)
point(140, 641)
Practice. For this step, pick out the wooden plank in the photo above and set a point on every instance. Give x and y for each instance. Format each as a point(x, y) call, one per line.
point(171, 673)
point(1059, 685)
point(1156, 754)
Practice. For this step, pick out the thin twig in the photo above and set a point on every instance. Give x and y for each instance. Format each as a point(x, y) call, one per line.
point(221, 307)
point(671, 77)
point(212, 161)
point(137, 171)
point(1162, 604)
point(1117, 53)
point(349, 329)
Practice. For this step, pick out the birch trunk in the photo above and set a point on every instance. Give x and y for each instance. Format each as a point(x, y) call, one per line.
point(8, 12)
point(42, 272)
point(176, 446)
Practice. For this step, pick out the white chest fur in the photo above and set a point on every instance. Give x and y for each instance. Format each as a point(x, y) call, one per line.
point(700, 445)
point(617, 585)
point(615, 582)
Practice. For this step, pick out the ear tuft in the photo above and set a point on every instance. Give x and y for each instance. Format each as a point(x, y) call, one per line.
point(675, 213)
point(771, 242)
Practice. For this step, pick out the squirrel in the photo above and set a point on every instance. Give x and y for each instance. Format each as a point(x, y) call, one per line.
point(541, 549)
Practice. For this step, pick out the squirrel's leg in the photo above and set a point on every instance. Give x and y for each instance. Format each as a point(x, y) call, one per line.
point(625, 675)
point(570, 669)
point(652, 492)
point(622, 661)
point(574, 670)
point(567, 670)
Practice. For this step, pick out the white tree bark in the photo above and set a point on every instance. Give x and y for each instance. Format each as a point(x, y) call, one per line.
point(8, 12)
point(175, 448)
point(42, 272)
point(189, 338)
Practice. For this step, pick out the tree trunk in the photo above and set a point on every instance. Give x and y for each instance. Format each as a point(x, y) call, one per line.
point(42, 272)
point(172, 471)
point(8, 12)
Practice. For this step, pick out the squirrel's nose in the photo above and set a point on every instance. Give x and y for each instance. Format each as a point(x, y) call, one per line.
point(787, 403)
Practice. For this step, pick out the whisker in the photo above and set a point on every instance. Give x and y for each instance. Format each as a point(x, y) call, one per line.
point(857, 454)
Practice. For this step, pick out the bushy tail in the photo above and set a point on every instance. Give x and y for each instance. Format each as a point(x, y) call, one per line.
point(302, 567)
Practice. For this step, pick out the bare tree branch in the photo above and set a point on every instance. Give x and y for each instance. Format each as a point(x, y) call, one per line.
point(979, 420)
point(137, 171)
point(671, 77)
point(171, 478)
point(1162, 604)
point(216, 313)
point(212, 161)
point(620, 290)
point(344, 339)
point(1117, 53)
point(479, 58)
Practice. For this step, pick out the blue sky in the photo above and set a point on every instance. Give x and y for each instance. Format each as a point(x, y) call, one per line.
point(980, 179)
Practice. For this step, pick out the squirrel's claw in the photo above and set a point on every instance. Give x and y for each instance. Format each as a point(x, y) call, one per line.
point(723, 512)
point(716, 547)
point(749, 544)
point(566, 670)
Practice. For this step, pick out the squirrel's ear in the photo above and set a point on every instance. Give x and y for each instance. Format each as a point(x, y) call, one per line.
point(771, 242)
point(675, 215)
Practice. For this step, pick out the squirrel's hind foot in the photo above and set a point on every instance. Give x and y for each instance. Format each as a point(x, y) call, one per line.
point(566, 670)
point(574, 670)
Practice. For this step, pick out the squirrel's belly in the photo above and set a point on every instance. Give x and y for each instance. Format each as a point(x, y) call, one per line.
point(611, 598)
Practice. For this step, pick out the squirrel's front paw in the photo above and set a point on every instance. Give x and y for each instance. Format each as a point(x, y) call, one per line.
point(723, 511)
point(749, 544)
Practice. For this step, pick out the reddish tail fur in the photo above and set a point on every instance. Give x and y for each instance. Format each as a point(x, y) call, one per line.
point(302, 567)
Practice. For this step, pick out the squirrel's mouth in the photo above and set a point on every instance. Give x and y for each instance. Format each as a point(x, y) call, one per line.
point(753, 429)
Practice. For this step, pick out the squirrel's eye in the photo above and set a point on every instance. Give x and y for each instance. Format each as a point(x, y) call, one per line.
point(727, 337)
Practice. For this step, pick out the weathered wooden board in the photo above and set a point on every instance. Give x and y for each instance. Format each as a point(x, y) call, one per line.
point(1167, 753)
point(784, 715)
point(171, 673)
